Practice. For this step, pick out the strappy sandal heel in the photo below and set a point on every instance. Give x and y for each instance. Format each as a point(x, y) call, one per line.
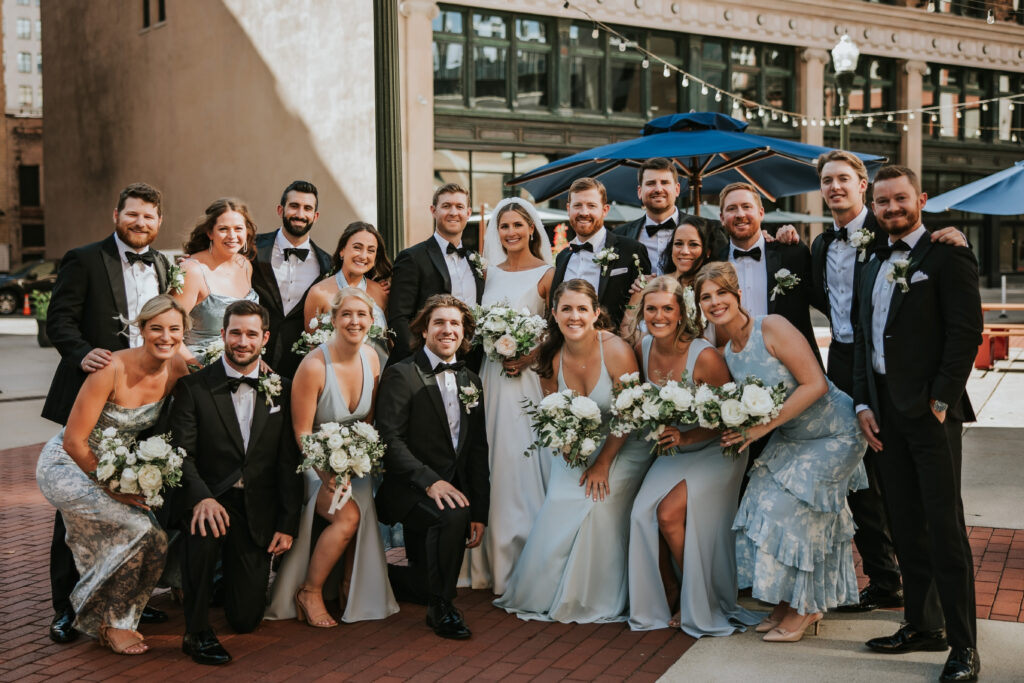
point(317, 621)
point(123, 648)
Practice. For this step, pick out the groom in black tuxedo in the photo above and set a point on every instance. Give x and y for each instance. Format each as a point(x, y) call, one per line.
point(919, 329)
point(98, 286)
point(239, 480)
point(603, 258)
point(440, 264)
point(287, 264)
point(436, 478)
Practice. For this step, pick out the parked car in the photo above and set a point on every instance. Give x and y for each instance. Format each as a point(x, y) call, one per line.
point(36, 276)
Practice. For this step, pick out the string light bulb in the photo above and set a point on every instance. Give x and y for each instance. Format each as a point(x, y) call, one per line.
point(935, 118)
point(910, 116)
point(984, 107)
point(803, 122)
point(735, 105)
point(785, 118)
point(622, 45)
point(686, 81)
point(665, 72)
point(703, 88)
point(991, 18)
point(871, 122)
point(1009, 107)
point(931, 6)
point(645, 63)
point(718, 96)
point(889, 117)
point(959, 114)
point(775, 116)
point(905, 128)
point(814, 122)
point(595, 34)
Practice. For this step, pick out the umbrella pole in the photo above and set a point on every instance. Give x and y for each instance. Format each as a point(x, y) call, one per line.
point(696, 195)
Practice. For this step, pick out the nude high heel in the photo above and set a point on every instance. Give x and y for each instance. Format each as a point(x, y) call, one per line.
point(780, 635)
point(767, 624)
point(323, 620)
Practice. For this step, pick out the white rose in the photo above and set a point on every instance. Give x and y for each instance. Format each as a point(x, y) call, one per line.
point(313, 323)
point(121, 450)
point(506, 345)
point(365, 431)
point(585, 409)
point(678, 396)
point(650, 408)
point(757, 400)
point(129, 481)
point(360, 466)
point(155, 500)
point(149, 478)
point(704, 394)
point(335, 441)
point(105, 471)
point(554, 402)
point(782, 273)
point(729, 387)
point(153, 448)
point(330, 428)
point(110, 432)
point(732, 413)
point(339, 461)
point(495, 325)
point(130, 459)
point(630, 377)
point(623, 401)
point(588, 446)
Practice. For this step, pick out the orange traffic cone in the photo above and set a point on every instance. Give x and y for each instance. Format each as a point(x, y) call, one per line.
point(27, 308)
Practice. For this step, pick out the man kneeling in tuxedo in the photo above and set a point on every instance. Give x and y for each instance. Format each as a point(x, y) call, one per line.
point(436, 480)
point(238, 479)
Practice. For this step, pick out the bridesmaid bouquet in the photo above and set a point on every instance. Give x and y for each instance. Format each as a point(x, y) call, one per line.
point(567, 423)
point(350, 451)
point(323, 330)
point(213, 351)
point(738, 406)
point(505, 333)
point(148, 467)
point(648, 407)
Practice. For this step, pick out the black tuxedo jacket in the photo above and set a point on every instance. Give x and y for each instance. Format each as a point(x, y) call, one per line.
point(413, 423)
point(793, 305)
point(285, 330)
point(613, 289)
point(85, 313)
point(932, 332)
point(420, 272)
point(203, 422)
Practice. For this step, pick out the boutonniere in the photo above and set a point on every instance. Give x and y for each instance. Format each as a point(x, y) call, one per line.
point(270, 386)
point(861, 239)
point(469, 397)
point(639, 270)
point(899, 272)
point(784, 282)
point(605, 257)
point(478, 262)
point(379, 333)
point(175, 279)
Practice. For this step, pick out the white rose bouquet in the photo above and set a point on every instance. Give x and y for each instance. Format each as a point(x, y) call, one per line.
point(146, 468)
point(646, 406)
point(213, 351)
point(322, 332)
point(505, 333)
point(738, 406)
point(567, 423)
point(353, 450)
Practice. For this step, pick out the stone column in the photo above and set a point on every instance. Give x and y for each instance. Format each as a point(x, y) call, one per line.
point(810, 79)
point(909, 97)
point(417, 122)
point(390, 214)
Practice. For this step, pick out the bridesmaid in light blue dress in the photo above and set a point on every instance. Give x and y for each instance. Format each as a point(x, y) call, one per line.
point(573, 566)
point(688, 500)
point(793, 527)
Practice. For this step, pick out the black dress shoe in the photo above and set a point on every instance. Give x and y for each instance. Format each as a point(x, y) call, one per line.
point(872, 598)
point(909, 640)
point(204, 648)
point(151, 615)
point(62, 629)
point(447, 621)
point(963, 664)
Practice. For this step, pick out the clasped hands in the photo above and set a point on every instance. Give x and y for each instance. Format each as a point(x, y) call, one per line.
point(442, 492)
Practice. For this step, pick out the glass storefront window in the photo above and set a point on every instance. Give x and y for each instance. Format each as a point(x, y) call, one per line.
point(626, 87)
point(489, 26)
point(531, 31)
point(490, 69)
point(448, 72)
point(531, 79)
point(585, 81)
point(448, 21)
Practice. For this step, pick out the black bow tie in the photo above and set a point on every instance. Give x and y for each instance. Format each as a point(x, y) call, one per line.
point(235, 382)
point(442, 367)
point(577, 247)
point(300, 254)
point(883, 253)
point(458, 251)
point(655, 228)
point(841, 234)
point(148, 257)
point(754, 253)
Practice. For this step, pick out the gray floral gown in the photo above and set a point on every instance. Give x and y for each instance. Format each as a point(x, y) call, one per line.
point(118, 549)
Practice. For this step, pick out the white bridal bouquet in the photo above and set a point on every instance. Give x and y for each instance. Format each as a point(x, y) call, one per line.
point(145, 468)
point(354, 450)
point(566, 422)
point(643, 406)
point(505, 333)
point(738, 406)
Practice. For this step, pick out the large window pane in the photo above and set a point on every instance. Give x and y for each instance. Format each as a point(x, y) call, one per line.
point(949, 124)
point(746, 85)
point(585, 88)
point(664, 94)
point(777, 92)
point(448, 21)
point(626, 87)
point(664, 46)
point(743, 55)
point(582, 37)
point(448, 72)
point(489, 26)
point(712, 51)
point(532, 79)
point(531, 31)
point(490, 73)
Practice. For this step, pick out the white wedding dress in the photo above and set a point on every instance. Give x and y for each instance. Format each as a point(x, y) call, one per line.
point(518, 483)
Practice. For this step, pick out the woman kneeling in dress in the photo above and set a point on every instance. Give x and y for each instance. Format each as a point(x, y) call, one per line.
point(793, 527)
point(118, 549)
point(336, 383)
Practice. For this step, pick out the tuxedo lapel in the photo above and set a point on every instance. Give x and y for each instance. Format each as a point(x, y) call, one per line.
point(112, 262)
point(917, 254)
point(433, 391)
point(479, 285)
point(260, 415)
point(772, 264)
point(867, 285)
point(561, 265)
point(322, 258)
point(462, 380)
point(161, 265)
point(216, 380)
point(437, 258)
point(264, 252)
point(609, 243)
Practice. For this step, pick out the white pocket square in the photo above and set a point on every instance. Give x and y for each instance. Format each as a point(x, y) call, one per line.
point(918, 277)
point(618, 271)
point(274, 409)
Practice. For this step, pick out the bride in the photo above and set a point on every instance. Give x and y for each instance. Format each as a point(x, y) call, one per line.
point(516, 242)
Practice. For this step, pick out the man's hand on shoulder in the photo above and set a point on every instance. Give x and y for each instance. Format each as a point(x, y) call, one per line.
point(787, 234)
point(950, 235)
point(97, 359)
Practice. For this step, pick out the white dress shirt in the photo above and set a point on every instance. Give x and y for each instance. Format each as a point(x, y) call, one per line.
point(448, 383)
point(460, 273)
point(294, 277)
point(657, 242)
point(581, 264)
point(140, 285)
point(840, 264)
point(753, 277)
point(244, 400)
point(881, 298)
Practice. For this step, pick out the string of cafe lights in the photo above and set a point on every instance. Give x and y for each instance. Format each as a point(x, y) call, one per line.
point(752, 109)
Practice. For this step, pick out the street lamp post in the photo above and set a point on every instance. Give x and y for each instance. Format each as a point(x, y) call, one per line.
point(844, 59)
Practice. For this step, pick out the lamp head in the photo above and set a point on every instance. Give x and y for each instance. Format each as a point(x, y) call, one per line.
point(845, 55)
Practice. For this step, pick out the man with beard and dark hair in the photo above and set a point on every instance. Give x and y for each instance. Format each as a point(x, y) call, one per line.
point(99, 286)
point(919, 327)
point(287, 264)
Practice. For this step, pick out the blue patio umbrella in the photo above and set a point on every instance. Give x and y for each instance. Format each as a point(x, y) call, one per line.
point(1001, 194)
point(710, 151)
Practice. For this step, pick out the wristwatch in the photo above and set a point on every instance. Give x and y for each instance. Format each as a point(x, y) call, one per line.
point(939, 406)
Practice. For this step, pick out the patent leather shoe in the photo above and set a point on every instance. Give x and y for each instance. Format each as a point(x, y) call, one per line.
point(963, 664)
point(151, 615)
point(204, 648)
point(909, 640)
point(447, 621)
point(872, 598)
point(62, 627)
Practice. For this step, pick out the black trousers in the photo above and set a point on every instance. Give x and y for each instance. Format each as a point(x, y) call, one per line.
point(435, 543)
point(63, 572)
point(921, 484)
point(246, 568)
point(873, 539)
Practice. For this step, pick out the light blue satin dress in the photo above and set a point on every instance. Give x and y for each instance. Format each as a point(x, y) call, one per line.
point(207, 317)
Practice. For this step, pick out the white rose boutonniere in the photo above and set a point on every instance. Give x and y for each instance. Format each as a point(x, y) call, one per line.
point(478, 263)
point(640, 270)
point(784, 282)
point(469, 397)
point(898, 274)
point(175, 279)
point(270, 387)
point(605, 258)
point(861, 239)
